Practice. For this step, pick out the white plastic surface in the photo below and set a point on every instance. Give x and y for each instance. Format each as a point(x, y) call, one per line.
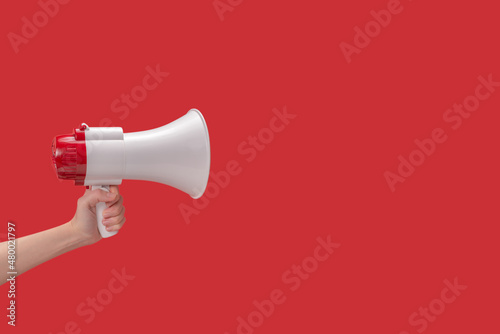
point(99, 208)
point(176, 154)
point(105, 156)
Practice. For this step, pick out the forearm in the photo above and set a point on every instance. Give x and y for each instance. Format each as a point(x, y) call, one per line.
point(37, 248)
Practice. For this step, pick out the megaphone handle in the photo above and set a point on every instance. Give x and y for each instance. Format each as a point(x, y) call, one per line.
point(99, 208)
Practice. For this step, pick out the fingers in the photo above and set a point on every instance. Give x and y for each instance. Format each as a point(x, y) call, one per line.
point(114, 223)
point(116, 202)
point(113, 211)
point(114, 215)
point(113, 189)
point(118, 199)
point(99, 195)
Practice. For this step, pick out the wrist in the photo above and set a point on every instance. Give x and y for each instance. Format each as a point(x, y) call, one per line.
point(75, 237)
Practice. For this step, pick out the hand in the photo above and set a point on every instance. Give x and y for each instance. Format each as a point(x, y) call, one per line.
point(84, 222)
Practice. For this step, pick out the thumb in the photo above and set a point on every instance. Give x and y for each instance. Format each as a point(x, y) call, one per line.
point(99, 195)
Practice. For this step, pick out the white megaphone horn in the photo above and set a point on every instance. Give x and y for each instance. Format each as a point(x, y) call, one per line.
point(176, 154)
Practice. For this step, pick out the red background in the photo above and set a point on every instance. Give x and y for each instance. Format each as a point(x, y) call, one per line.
point(323, 175)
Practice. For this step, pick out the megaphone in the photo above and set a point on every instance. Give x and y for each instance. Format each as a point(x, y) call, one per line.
point(176, 154)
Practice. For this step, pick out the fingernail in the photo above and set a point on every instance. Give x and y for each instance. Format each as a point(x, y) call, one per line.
point(105, 222)
point(108, 228)
point(110, 195)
